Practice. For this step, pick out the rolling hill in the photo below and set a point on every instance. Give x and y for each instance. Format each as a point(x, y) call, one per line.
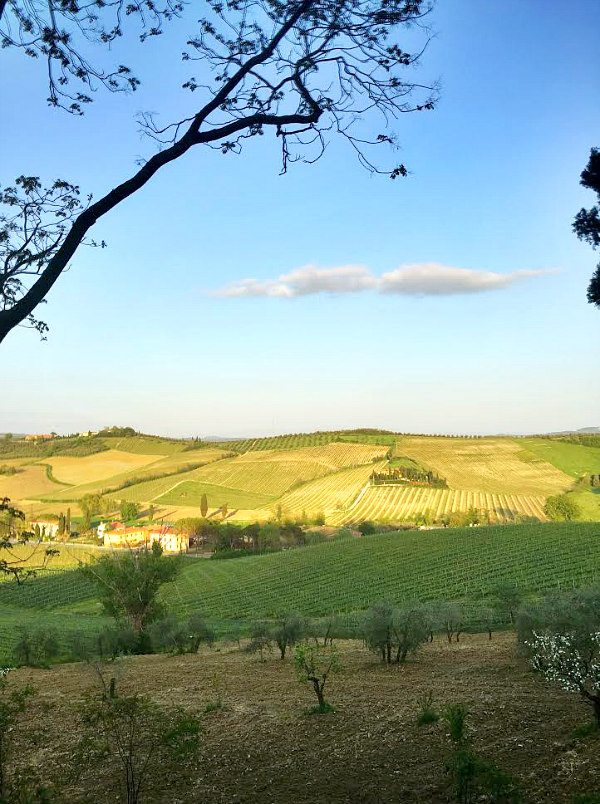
point(314, 474)
point(344, 576)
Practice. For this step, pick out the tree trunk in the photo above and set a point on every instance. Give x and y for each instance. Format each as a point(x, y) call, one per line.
point(596, 705)
point(319, 693)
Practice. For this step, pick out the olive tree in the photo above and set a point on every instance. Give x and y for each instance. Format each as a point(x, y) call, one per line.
point(315, 664)
point(302, 70)
point(288, 630)
point(572, 663)
point(394, 632)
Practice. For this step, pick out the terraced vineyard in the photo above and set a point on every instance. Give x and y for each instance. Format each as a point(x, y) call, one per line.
point(328, 495)
point(403, 503)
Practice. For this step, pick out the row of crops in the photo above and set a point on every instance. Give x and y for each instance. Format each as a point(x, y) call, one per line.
point(464, 564)
point(347, 575)
point(402, 503)
point(327, 495)
point(319, 439)
point(266, 473)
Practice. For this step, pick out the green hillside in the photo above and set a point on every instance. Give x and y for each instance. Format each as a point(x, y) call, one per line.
point(464, 564)
point(574, 459)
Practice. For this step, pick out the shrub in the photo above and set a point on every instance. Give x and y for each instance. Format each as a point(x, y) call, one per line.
point(393, 633)
point(36, 648)
point(427, 713)
point(455, 716)
point(562, 507)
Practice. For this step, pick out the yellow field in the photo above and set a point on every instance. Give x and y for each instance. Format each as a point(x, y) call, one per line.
point(69, 469)
point(485, 464)
point(30, 482)
point(274, 472)
point(400, 504)
point(139, 470)
point(326, 495)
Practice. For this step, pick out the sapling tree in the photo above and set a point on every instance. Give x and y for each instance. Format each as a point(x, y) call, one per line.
point(141, 744)
point(305, 71)
point(314, 665)
point(571, 662)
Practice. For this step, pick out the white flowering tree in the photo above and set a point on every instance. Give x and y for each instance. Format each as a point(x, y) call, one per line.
point(573, 663)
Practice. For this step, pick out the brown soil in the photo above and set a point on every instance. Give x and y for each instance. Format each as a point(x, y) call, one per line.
point(263, 747)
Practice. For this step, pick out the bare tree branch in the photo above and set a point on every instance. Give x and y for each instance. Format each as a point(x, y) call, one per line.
point(306, 70)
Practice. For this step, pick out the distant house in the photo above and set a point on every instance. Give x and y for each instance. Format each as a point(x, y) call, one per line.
point(39, 437)
point(88, 433)
point(46, 528)
point(117, 535)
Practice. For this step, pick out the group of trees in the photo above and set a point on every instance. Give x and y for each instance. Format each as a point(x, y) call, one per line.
point(410, 475)
point(227, 539)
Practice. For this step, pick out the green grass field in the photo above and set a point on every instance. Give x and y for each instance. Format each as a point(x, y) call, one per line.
point(145, 445)
point(345, 576)
point(189, 492)
point(573, 459)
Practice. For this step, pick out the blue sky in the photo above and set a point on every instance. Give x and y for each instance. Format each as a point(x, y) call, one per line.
point(138, 336)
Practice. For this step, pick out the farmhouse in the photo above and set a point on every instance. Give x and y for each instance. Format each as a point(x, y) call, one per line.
point(39, 437)
point(45, 528)
point(170, 539)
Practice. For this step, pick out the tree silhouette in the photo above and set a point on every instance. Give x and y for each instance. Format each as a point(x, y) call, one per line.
point(59, 31)
point(587, 221)
point(305, 70)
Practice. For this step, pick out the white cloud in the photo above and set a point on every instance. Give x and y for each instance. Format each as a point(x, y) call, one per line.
point(421, 279)
point(305, 281)
point(433, 279)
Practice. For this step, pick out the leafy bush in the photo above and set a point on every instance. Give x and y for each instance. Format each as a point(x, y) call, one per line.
point(562, 507)
point(36, 648)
